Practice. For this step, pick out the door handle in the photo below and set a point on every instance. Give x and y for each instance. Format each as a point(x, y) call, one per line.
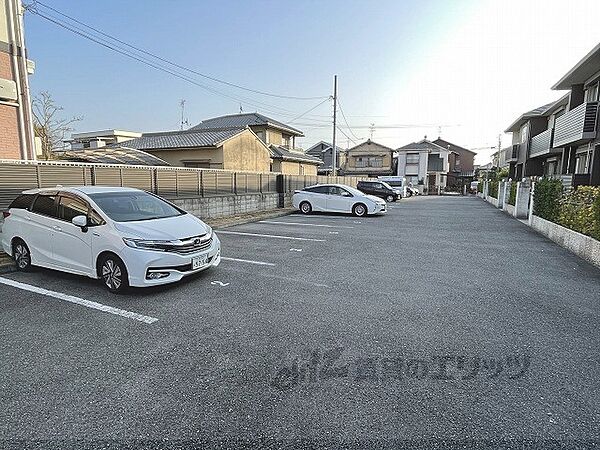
point(57, 228)
point(96, 234)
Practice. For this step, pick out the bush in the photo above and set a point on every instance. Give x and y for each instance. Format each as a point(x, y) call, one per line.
point(546, 199)
point(580, 211)
point(493, 190)
point(480, 186)
point(512, 197)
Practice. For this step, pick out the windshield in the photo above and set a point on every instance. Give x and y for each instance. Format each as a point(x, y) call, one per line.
point(385, 185)
point(131, 206)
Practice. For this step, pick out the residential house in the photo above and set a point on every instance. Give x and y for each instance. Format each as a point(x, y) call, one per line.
point(561, 138)
point(242, 142)
point(230, 149)
point(425, 165)
point(16, 123)
point(368, 159)
point(324, 151)
point(499, 158)
point(461, 163)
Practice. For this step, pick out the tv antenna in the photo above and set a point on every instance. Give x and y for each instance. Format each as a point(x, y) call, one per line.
point(184, 121)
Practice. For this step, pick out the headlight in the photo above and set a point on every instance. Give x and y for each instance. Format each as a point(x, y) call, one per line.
point(160, 246)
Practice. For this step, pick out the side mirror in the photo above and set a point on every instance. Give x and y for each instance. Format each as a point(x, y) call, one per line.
point(81, 222)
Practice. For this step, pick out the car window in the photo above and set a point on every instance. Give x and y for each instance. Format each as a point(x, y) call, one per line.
point(69, 207)
point(45, 205)
point(336, 190)
point(131, 206)
point(95, 219)
point(22, 201)
point(318, 189)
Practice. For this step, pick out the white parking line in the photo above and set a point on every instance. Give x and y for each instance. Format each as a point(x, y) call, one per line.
point(79, 301)
point(274, 236)
point(249, 261)
point(304, 224)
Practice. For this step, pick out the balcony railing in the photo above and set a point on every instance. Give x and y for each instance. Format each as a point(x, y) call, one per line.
point(512, 153)
point(541, 144)
point(576, 126)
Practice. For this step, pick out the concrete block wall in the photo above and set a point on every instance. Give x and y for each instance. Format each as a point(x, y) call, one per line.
point(231, 205)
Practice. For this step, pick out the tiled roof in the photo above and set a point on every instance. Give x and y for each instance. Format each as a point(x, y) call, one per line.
point(423, 145)
point(180, 139)
point(278, 152)
point(243, 120)
point(114, 155)
point(453, 147)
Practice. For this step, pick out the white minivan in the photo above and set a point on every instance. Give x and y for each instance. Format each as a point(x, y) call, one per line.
point(123, 236)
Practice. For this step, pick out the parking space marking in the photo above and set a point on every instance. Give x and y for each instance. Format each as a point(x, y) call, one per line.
point(249, 261)
point(304, 224)
point(274, 236)
point(79, 301)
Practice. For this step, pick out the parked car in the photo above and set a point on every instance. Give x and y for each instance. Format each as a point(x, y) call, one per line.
point(125, 237)
point(473, 187)
point(379, 189)
point(337, 198)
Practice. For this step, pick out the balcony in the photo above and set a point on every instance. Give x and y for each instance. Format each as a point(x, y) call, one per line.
point(576, 126)
point(512, 153)
point(541, 144)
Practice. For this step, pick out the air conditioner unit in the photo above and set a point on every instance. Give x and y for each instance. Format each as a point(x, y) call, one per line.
point(8, 90)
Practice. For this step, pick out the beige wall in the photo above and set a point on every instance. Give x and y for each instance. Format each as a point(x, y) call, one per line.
point(246, 152)
point(176, 157)
point(294, 168)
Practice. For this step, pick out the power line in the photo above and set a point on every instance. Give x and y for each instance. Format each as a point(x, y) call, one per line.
point(311, 109)
point(179, 66)
point(156, 66)
point(346, 121)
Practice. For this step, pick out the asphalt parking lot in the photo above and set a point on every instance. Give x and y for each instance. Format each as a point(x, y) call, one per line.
point(444, 319)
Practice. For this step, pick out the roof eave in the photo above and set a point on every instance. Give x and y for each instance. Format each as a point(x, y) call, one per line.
point(567, 80)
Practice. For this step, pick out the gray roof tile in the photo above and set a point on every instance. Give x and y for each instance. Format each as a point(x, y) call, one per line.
point(243, 120)
point(278, 152)
point(180, 139)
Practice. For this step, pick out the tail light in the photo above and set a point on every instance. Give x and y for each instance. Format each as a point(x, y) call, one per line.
point(6, 214)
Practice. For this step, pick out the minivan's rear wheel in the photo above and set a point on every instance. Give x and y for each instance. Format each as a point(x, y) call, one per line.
point(389, 198)
point(22, 255)
point(305, 208)
point(359, 210)
point(113, 274)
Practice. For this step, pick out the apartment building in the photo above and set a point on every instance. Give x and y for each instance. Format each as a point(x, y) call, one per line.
point(16, 125)
point(561, 138)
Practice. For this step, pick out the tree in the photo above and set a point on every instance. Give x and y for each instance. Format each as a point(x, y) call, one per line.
point(50, 128)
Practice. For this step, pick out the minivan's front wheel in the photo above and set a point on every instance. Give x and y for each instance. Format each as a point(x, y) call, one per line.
point(390, 198)
point(22, 255)
point(359, 210)
point(113, 274)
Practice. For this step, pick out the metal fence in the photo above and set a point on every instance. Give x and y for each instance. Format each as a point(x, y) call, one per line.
point(170, 182)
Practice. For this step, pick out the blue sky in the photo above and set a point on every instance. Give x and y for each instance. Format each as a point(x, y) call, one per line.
point(471, 66)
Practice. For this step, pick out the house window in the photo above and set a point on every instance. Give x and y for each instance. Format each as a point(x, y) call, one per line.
point(369, 161)
point(197, 164)
point(524, 133)
point(412, 158)
point(591, 92)
point(285, 141)
point(581, 163)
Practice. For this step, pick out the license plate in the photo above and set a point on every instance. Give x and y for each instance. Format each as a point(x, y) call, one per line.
point(199, 261)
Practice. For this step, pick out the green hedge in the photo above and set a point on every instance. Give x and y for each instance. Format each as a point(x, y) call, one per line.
point(480, 186)
point(493, 190)
point(580, 211)
point(512, 197)
point(546, 199)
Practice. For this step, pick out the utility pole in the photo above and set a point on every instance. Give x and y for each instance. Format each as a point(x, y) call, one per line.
point(183, 120)
point(371, 131)
point(334, 148)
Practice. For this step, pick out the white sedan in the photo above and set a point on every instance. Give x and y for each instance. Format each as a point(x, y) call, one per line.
point(337, 198)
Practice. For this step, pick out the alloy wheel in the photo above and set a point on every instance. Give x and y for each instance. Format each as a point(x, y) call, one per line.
point(22, 256)
point(112, 274)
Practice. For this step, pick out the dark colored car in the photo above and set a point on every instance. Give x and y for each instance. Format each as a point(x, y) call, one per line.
point(379, 189)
